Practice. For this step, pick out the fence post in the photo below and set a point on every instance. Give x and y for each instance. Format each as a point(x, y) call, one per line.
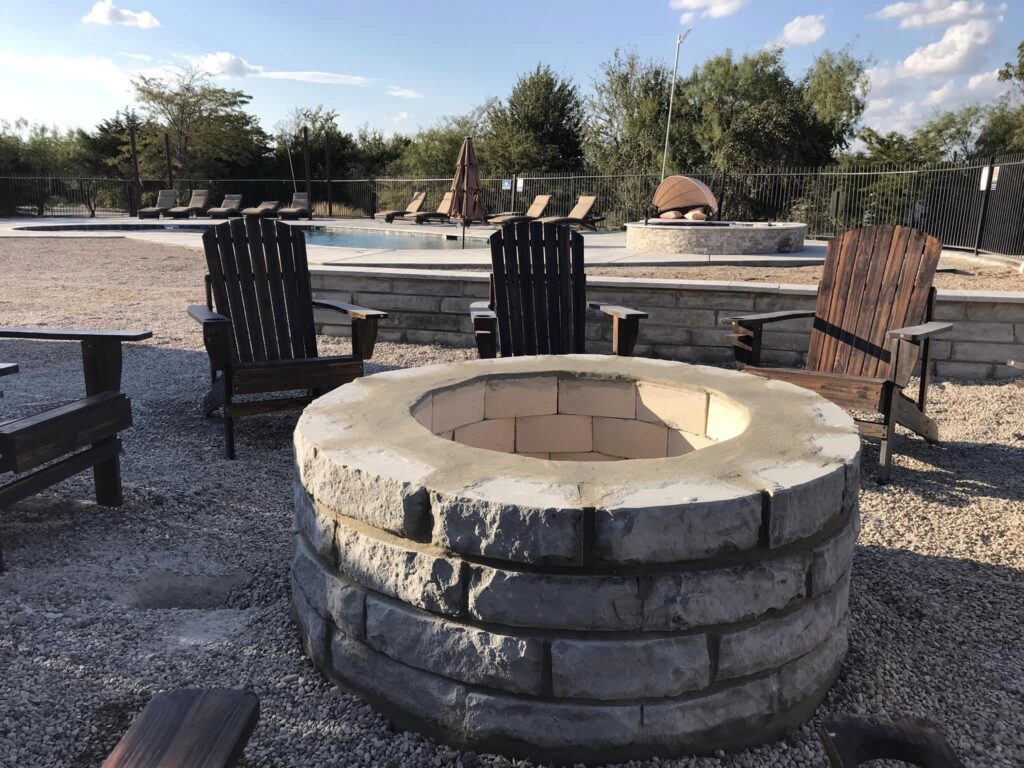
point(167, 154)
point(305, 159)
point(984, 206)
point(135, 186)
point(327, 169)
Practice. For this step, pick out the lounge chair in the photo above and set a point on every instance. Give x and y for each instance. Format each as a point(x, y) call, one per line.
point(871, 326)
point(579, 215)
point(62, 441)
point(197, 205)
point(232, 206)
point(165, 200)
point(410, 210)
point(531, 261)
point(443, 212)
point(535, 211)
point(266, 210)
point(299, 209)
point(258, 325)
point(189, 728)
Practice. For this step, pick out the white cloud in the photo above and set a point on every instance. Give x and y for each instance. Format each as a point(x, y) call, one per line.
point(929, 13)
point(940, 95)
point(224, 64)
point(98, 70)
point(401, 117)
point(957, 49)
point(710, 9)
point(404, 93)
point(105, 12)
point(802, 30)
point(136, 56)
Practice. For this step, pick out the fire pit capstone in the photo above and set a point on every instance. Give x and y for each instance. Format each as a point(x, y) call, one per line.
point(577, 557)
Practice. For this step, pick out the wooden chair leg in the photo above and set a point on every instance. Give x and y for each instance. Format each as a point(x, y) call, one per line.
point(107, 478)
point(624, 335)
point(229, 435)
point(885, 449)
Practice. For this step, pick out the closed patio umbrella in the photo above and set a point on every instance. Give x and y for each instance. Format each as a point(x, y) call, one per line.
point(466, 188)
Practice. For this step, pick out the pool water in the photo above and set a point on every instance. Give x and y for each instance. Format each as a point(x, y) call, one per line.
point(353, 238)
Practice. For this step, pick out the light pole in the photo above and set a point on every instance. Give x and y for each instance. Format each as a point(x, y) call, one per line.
point(672, 98)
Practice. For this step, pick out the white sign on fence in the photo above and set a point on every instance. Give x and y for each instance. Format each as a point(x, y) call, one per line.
point(519, 185)
point(995, 177)
point(506, 185)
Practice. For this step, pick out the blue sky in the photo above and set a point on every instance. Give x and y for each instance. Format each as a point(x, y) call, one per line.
point(402, 64)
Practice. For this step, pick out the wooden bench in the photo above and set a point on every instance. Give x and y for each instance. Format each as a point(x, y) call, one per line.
point(50, 446)
point(188, 728)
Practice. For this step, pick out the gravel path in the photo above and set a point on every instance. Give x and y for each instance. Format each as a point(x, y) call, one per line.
point(186, 584)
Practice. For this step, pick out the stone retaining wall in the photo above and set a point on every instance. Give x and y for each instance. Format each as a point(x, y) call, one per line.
point(429, 307)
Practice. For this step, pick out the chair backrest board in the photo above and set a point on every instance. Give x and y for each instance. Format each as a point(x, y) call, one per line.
point(536, 209)
point(165, 198)
point(445, 206)
point(416, 203)
point(231, 201)
point(582, 208)
point(875, 279)
point(259, 278)
point(300, 200)
point(199, 198)
point(538, 289)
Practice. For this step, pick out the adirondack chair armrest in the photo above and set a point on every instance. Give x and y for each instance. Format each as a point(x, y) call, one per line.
point(916, 333)
point(45, 333)
point(352, 310)
point(207, 316)
point(6, 369)
point(485, 329)
point(482, 309)
point(763, 318)
point(623, 313)
point(1012, 363)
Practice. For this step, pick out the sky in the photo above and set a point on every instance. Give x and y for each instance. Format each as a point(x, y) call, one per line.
point(403, 64)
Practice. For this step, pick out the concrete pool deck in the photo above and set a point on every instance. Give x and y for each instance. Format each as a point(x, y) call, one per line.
point(602, 248)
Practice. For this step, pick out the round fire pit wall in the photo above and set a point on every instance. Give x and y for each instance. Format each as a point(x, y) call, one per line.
point(577, 557)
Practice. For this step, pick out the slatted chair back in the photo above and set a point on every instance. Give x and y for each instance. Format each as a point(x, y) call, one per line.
point(231, 201)
point(445, 206)
point(259, 278)
point(875, 279)
point(166, 198)
point(536, 209)
point(582, 208)
point(538, 289)
point(300, 200)
point(416, 203)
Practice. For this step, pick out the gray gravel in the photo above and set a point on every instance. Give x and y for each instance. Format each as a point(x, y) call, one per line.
point(186, 584)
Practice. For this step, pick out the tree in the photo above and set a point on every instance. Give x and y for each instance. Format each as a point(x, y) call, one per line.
point(1014, 72)
point(953, 135)
point(210, 132)
point(106, 150)
point(626, 115)
point(893, 148)
point(433, 152)
point(836, 87)
point(539, 128)
point(1002, 130)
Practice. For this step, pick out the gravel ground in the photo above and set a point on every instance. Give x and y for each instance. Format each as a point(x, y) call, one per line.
point(186, 584)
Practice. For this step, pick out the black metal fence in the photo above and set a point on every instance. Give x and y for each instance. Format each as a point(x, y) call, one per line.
point(975, 206)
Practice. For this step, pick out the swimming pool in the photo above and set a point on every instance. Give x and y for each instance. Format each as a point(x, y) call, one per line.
point(337, 237)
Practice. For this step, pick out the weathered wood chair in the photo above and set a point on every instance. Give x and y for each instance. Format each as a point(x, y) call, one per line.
point(855, 742)
point(258, 322)
point(872, 324)
point(189, 729)
point(43, 449)
point(538, 298)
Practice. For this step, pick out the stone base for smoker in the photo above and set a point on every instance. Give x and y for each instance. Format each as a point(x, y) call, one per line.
point(680, 618)
point(739, 238)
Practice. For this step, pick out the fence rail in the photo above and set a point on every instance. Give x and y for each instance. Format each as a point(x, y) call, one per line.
point(976, 206)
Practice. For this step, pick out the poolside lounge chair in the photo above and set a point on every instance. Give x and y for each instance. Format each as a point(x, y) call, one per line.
point(258, 324)
point(579, 215)
point(299, 208)
point(197, 205)
point(852, 742)
point(538, 301)
point(267, 209)
point(189, 728)
point(872, 321)
point(50, 446)
point(410, 210)
point(232, 206)
point(165, 200)
point(443, 212)
point(535, 211)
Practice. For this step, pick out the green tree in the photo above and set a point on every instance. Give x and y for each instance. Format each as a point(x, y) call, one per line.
point(952, 135)
point(210, 132)
point(377, 153)
point(836, 88)
point(433, 152)
point(1002, 130)
point(539, 127)
point(1014, 71)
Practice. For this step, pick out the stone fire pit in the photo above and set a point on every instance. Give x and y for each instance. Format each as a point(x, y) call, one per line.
point(577, 557)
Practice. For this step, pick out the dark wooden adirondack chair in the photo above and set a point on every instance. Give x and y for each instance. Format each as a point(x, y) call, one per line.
point(43, 449)
point(538, 298)
point(258, 322)
point(872, 324)
point(852, 742)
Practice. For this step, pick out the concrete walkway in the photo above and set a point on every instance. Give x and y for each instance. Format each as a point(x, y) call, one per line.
point(602, 248)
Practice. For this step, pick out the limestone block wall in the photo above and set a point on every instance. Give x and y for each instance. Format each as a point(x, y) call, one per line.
point(431, 307)
point(738, 238)
point(686, 616)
